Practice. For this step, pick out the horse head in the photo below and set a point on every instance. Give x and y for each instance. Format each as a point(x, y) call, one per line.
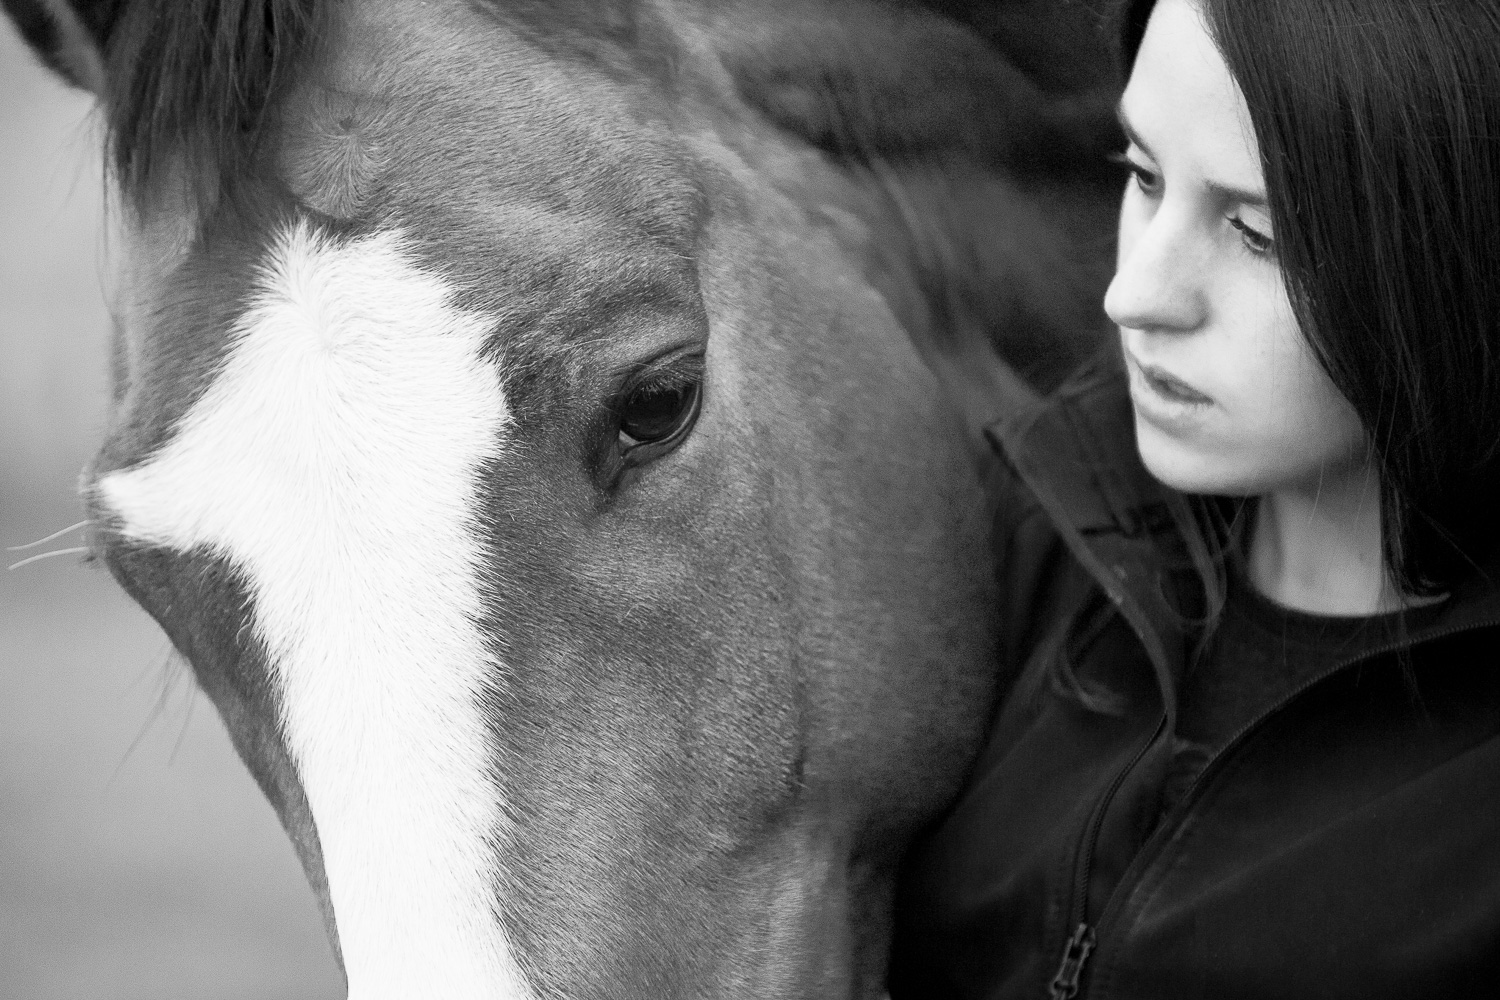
point(519, 425)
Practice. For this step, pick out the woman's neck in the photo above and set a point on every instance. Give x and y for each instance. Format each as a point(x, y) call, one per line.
point(1317, 547)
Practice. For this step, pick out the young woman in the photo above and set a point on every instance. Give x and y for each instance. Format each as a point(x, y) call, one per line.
point(1252, 743)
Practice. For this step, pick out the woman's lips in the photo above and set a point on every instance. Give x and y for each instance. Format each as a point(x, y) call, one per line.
point(1169, 387)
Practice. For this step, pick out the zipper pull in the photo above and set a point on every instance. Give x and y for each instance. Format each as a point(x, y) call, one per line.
point(1080, 946)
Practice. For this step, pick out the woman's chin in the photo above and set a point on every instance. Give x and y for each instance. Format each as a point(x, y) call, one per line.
point(1186, 462)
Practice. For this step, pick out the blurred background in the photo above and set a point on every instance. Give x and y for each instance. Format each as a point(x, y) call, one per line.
point(137, 857)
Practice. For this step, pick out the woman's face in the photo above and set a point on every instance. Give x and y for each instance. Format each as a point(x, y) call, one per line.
point(1228, 397)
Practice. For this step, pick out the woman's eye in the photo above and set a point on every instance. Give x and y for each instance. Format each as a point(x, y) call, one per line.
point(1147, 180)
point(1255, 241)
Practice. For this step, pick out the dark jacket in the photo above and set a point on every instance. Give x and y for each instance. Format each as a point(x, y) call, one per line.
point(1345, 844)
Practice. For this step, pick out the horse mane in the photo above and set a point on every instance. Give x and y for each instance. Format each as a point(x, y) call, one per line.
point(190, 81)
point(995, 235)
point(908, 80)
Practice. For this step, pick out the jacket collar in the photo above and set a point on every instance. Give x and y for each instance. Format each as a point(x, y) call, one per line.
point(1076, 451)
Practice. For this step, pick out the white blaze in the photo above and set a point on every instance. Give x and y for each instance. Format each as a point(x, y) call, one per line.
point(334, 462)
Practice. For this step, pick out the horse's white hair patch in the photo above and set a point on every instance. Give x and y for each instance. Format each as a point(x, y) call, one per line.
point(334, 462)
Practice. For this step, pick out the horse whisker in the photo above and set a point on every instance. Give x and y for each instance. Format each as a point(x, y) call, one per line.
point(48, 555)
point(56, 534)
point(187, 720)
point(168, 671)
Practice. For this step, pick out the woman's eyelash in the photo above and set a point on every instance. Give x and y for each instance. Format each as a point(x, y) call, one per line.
point(1255, 240)
point(1146, 180)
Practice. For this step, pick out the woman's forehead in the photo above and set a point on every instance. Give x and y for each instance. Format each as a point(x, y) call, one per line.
point(1184, 109)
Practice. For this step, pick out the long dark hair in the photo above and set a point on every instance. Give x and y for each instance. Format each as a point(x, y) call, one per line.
point(1379, 130)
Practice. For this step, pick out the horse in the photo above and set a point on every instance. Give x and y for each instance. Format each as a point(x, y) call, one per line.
point(526, 424)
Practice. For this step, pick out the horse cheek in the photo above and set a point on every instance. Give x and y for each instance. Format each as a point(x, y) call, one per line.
point(202, 605)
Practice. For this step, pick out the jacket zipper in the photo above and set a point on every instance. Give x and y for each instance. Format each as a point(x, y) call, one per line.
point(1080, 945)
point(1170, 822)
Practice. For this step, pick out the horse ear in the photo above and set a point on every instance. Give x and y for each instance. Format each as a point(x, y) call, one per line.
point(67, 36)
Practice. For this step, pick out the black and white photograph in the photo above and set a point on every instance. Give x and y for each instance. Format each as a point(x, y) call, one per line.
point(729, 499)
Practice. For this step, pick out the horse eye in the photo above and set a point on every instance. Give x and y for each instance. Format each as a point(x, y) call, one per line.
point(658, 415)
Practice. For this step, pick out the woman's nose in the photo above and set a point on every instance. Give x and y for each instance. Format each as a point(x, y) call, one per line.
point(1159, 283)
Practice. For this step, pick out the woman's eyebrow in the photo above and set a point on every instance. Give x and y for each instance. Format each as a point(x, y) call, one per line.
point(1238, 196)
point(1226, 192)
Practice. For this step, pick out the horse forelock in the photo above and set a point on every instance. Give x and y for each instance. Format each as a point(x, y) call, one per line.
point(192, 81)
point(333, 464)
